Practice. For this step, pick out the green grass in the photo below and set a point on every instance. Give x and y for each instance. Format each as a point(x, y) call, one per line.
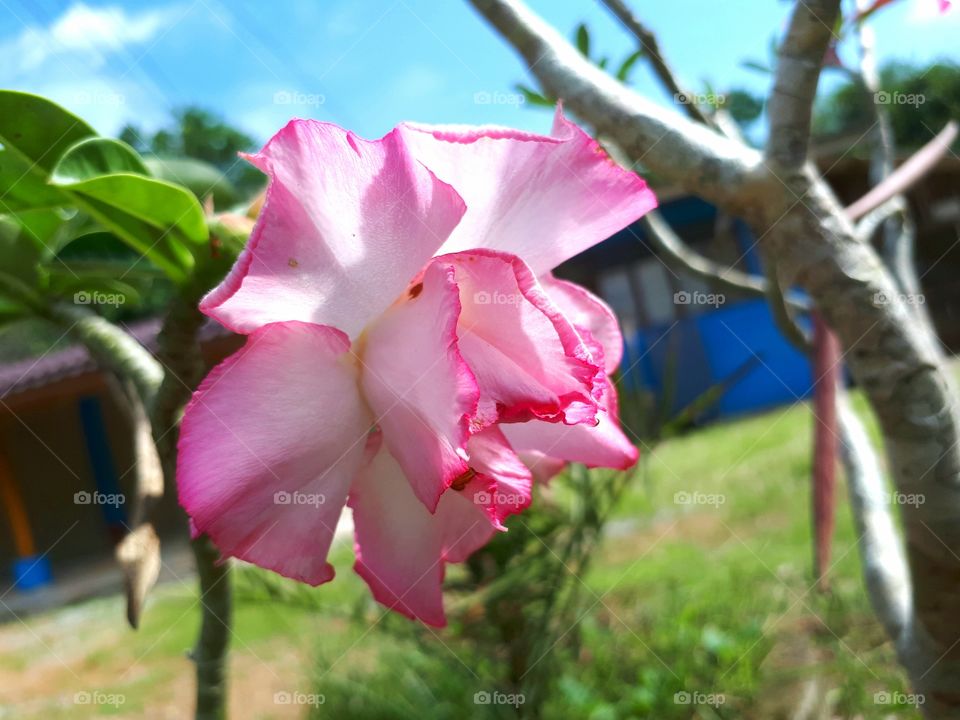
point(714, 600)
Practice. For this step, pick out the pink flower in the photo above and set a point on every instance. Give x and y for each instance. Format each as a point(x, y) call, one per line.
point(405, 338)
point(943, 6)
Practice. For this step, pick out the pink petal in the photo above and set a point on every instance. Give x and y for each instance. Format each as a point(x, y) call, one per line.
point(268, 447)
point(401, 547)
point(528, 359)
point(502, 484)
point(604, 445)
point(418, 385)
point(346, 224)
point(586, 310)
point(542, 467)
point(545, 199)
point(464, 522)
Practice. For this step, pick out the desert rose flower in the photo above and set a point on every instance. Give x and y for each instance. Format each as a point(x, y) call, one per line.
point(401, 321)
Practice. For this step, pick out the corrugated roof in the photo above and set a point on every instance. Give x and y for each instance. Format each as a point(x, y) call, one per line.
point(74, 361)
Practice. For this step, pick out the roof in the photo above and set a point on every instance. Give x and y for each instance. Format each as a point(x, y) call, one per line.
point(22, 375)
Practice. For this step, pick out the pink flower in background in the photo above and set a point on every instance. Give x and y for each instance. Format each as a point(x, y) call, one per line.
point(407, 345)
point(942, 6)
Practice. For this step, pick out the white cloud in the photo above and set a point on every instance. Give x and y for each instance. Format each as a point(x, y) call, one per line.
point(67, 61)
point(81, 33)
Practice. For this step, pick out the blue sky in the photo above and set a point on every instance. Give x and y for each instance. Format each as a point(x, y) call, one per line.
point(368, 64)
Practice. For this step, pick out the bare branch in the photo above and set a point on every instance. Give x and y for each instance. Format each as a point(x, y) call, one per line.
point(678, 254)
point(648, 41)
point(884, 565)
point(139, 552)
point(679, 150)
point(795, 86)
point(870, 222)
point(779, 306)
point(905, 176)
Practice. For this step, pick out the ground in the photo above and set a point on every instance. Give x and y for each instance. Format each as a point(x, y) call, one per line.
point(700, 604)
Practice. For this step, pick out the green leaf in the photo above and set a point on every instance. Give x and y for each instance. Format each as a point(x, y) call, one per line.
point(38, 129)
point(43, 228)
point(159, 219)
point(200, 178)
point(623, 72)
point(97, 245)
point(758, 66)
point(101, 253)
point(22, 189)
point(89, 286)
point(20, 253)
point(602, 63)
point(583, 40)
point(533, 97)
point(10, 312)
point(96, 156)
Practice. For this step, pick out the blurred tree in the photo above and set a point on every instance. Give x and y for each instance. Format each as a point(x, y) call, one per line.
point(920, 100)
point(200, 134)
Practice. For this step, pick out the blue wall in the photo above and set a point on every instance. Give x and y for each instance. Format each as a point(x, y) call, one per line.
point(736, 344)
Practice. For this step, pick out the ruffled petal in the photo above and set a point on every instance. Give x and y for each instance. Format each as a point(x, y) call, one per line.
point(603, 445)
point(545, 199)
point(401, 547)
point(346, 224)
point(418, 385)
point(528, 359)
point(269, 445)
point(586, 310)
point(502, 482)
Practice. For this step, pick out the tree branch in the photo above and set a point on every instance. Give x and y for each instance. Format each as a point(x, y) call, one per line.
point(816, 247)
point(648, 41)
point(138, 553)
point(884, 565)
point(790, 107)
point(870, 222)
point(677, 149)
point(905, 176)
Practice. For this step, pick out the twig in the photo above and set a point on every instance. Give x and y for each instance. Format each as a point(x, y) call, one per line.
point(905, 176)
point(648, 41)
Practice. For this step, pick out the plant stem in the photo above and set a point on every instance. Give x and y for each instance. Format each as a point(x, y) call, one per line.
point(210, 653)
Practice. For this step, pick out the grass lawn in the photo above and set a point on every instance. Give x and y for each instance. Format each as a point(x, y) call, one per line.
point(699, 604)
